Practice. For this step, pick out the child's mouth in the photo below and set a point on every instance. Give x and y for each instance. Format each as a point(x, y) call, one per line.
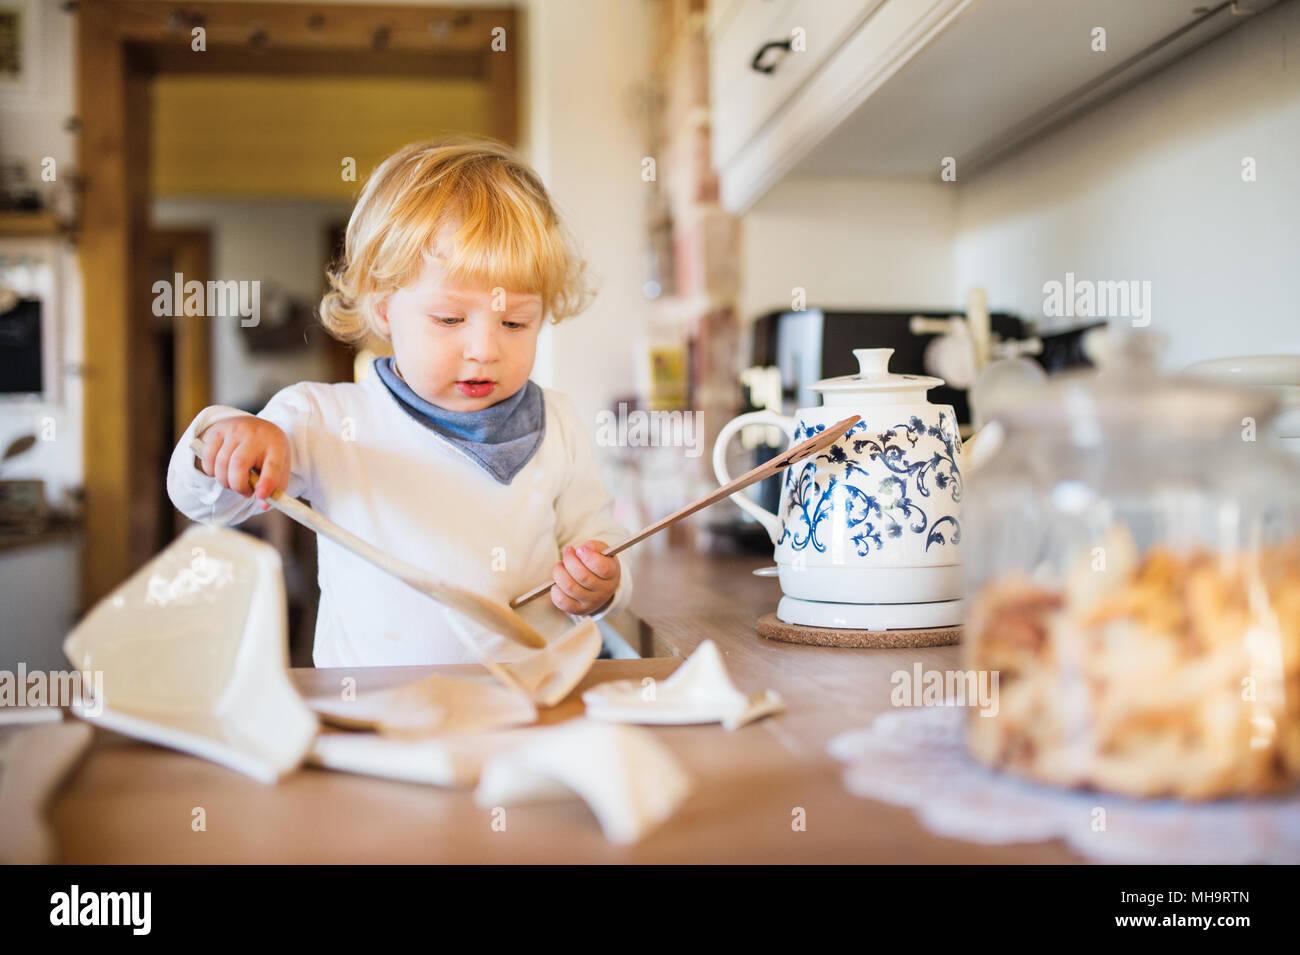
point(475, 388)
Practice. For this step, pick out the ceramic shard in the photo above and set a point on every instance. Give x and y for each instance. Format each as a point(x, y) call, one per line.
point(193, 653)
point(452, 759)
point(432, 705)
point(700, 691)
point(630, 780)
point(546, 676)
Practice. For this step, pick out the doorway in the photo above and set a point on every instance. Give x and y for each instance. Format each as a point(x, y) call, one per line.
point(133, 368)
point(181, 369)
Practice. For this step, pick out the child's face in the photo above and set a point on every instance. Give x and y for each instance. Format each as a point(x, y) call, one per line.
point(461, 348)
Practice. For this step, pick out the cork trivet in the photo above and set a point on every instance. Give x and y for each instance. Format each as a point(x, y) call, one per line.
point(774, 628)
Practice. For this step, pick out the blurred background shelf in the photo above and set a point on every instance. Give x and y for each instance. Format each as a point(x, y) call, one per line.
point(33, 224)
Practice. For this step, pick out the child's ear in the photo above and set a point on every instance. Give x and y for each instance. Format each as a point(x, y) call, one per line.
point(381, 316)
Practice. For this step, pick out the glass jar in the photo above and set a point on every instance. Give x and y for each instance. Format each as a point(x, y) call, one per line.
point(1133, 567)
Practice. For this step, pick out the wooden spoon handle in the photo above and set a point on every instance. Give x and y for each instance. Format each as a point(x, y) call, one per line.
point(798, 452)
point(494, 616)
point(321, 524)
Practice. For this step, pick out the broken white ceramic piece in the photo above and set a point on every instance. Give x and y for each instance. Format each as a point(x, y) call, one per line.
point(29, 715)
point(699, 691)
point(432, 705)
point(454, 759)
point(547, 676)
point(627, 777)
point(194, 656)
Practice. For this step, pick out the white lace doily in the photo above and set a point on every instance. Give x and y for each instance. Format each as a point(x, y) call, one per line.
point(916, 757)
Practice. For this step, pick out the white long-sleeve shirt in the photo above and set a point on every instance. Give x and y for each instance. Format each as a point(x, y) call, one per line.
point(361, 460)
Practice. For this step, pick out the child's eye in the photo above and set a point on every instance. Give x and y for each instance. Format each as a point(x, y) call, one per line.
point(447, 319)
point(510, 324)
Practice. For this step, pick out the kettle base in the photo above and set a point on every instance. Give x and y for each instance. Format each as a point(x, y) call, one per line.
point(843, 616)
point(771, 627)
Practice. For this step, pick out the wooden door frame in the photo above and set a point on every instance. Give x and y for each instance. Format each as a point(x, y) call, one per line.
point(121, 45)
point(191, 253)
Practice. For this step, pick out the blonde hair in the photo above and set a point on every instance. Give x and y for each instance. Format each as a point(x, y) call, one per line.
point(508, 234)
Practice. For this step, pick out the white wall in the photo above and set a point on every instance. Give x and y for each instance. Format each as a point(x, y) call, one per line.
point(852, 243)
point(1149, 187)
point(584, 61)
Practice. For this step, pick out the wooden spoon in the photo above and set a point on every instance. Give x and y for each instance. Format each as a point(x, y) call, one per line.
point(489, 613)
point(817, 442)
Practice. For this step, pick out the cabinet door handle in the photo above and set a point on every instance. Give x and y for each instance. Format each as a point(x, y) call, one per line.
point(771, 64)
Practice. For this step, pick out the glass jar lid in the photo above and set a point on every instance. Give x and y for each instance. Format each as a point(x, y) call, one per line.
point(1129, 395)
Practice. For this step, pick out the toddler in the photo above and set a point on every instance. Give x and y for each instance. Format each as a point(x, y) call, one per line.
point(446, 455)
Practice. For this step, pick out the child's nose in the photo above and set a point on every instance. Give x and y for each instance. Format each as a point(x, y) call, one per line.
point(482, 346)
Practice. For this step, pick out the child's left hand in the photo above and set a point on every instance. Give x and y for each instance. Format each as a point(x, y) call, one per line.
point(585, 579)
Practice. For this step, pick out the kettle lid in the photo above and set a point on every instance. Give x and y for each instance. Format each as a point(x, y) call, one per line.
point(874, 378)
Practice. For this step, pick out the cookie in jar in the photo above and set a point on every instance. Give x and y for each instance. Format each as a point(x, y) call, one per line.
point(1133, 575)
point(1164, 674)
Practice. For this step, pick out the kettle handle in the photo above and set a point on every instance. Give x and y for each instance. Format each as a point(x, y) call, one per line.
point(771, 523)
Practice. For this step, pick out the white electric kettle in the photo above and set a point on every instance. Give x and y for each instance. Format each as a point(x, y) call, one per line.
point(868, 533)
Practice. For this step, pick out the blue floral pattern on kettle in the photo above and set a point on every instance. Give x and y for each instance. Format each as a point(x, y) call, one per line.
point(922, 465)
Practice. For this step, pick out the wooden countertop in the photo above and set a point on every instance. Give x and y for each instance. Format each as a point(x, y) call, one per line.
point(130, 802)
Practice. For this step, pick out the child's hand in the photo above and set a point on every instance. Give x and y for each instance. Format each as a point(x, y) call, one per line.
point(234, 445)
point(585, 579)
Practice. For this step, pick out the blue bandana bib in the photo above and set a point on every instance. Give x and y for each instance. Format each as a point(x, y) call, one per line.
point(502, 438)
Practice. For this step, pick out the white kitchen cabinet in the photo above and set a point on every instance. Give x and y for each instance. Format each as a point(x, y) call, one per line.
point(892, 87)
point(749, 97)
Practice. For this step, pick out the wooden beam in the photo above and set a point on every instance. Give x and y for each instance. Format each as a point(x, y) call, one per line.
point(162, 58)
point(142, 371)
point(503, 90)
point(189, 251)
point(317, 26)
point(104, 254)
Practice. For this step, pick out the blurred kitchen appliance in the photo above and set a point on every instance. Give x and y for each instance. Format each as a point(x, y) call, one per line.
point(21, 353)
point(814, 344)
point(31, 270)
